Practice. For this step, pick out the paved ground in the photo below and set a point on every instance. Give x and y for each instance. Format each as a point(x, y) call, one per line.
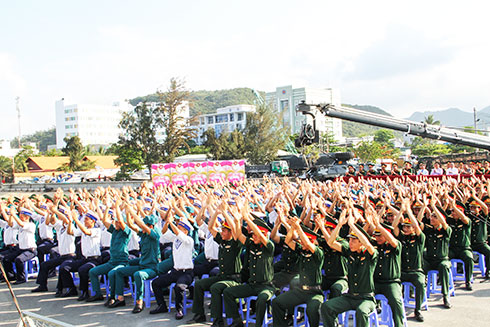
point(469, 309)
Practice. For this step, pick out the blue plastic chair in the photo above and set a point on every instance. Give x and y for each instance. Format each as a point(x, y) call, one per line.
point(251, 318)
point(481, 263)
point(386, 317)
point(295, 318)
point(454, 268)
point(373, 318)
point(408, 301)
point(171, 299)
point(433, 288)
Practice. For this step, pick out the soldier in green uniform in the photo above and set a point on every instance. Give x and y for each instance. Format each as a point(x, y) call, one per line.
point(388, 269)
point(413, 241)
point(310, 278)
point(438, 233)
point(351, 171)
point(362, 257)
point(229, 272)
point(407, 170)
point(478, 214)
point(286, 269)
point(460, 242)
point(371, 170)
point(334, 263)
point(261, 272)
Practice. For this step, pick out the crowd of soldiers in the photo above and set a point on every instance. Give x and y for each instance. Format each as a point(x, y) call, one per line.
point(330, 245)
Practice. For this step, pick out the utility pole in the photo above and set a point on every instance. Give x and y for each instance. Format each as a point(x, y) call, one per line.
point(474, 118)
point(17, 99)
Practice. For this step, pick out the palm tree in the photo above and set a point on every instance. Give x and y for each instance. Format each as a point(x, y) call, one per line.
point(430, 120)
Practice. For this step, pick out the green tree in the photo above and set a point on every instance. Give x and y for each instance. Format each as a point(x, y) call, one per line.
point(140, 127)
point(264, 135)
point(129, 159)
point(5, 168)
point(430, 120)
point(370, 151)
point(75, 150)
point(177, 135)
point(384, 136)
point(41, 138)
point(20, 158)
point(431, 149)
point(53, 153)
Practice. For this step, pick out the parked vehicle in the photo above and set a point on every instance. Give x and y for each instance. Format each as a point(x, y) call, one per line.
point(278, 168)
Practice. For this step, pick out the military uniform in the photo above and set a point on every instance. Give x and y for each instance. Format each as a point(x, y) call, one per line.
point(437, 255)
point(460, 245)
point(334, 268)
point(229, 275)
point(479, 236)
point(387, 279)
point(412, 264)
point(259, 283)
point(286, 268)
point(360, 297)
point(309, 291)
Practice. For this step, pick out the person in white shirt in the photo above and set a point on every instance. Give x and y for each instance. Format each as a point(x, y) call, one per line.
point(27, 244)
point(437, 170)
point(10, 232)
point(422, 170)
point(90, 246)
point(182, 274)
point(45, 243)
point(207, 261)
point(451, 170)
point(66, 247)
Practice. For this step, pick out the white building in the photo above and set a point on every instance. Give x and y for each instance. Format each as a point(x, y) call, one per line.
point(225, 119)
point(7, 151)
point(284, 99)
point(94, 124)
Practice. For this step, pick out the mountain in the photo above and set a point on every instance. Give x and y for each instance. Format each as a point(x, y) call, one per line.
point(205, 102)
point(351, 129)
point(454, 117)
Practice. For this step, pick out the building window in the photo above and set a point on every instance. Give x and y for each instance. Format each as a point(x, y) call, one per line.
point(238, 126)
point(240, 116)
point(221, 118)
point(201, 121)
point(232, 116)
point(210, 120)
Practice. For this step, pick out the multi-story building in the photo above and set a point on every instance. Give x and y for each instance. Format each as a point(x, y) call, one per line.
point(225, 119)
point(284, 99)
point(95, 125)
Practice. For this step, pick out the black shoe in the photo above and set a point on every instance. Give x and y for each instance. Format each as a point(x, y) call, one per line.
point(138, 308)
point(83, 297)
point(18, 282)
point(117, 303)
point(39, 289)
point(109, 302)
point(418, 316)
point(72, 291)
point(237, 323)
point(58, 293)
point(469, 287)
point(218, 323)
point(94, 298)
point(446, 302)
point(179, 315)
point(162, 308)
point(197, 318)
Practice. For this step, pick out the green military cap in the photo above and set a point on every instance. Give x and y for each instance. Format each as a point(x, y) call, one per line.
point(461, 205)
point(47, 197)
point(389, 228)
point(359, 208)
point(442, 211)
point(32, 196)
point(330, 221)
point(309, 233)
point(354, 235)
point(258, 215)
point(262, 225)
point(150, 220)
point(283, 230)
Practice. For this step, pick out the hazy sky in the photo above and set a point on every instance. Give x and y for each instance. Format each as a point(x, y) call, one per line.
point(402, 57)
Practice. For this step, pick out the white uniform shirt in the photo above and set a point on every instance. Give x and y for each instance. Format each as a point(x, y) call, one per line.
point(437, 171)
point(182, 249)
point(45, 231)
point(211, 248)
point(423, 172)
point(105, 237)
point(452, 171)
point(134, 241)
point(9, 233)
point(90, 243)
point(27, 238)
point(66, 242)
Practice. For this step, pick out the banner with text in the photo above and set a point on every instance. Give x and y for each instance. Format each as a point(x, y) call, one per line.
point(181, 173)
